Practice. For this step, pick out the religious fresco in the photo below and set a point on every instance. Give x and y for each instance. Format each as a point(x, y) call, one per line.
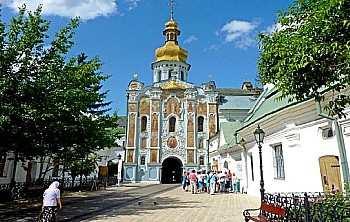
point(130, 156)
point(143, 143)
point(212, 125)
point(190, 108)
point(201, 144)
point(144, 106)
point(190, 156)
point(154, 130)
point(172, 106)
point(172, 142)
point(190, 139)
point(154, 156)
point(202, 108)
point(190, 130)
point(131, 133)
point(155, 106)
point(132, 107)
point(212, 108)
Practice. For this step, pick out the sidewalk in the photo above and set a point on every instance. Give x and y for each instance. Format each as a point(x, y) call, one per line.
point(67, 197)
point(172, 206)
point(179, 206)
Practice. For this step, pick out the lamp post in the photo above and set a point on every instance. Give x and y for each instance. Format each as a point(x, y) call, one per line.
point(120, 167)
point(259, 135)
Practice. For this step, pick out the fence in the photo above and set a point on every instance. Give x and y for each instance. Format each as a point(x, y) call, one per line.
point(22, 190)
point(310, 207)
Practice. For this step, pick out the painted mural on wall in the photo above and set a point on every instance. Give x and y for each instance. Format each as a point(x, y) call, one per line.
point(144, 106)
point(172, 106)
point(131, 133)
point(172, 142)
point(190, 130)
point(154, 131)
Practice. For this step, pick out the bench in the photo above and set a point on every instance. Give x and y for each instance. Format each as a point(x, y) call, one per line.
point(267, 213)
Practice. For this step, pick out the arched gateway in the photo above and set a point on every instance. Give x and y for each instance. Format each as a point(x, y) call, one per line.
point(171, 170)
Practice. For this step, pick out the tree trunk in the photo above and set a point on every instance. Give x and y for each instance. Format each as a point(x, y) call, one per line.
point(13, 180)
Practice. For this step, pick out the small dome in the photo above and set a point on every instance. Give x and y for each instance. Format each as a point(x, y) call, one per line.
point(171, 51)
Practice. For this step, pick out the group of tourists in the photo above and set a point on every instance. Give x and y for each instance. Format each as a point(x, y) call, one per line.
point(210, 182)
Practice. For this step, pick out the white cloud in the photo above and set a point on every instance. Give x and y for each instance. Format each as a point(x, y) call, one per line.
point(132, 4)
point(190, 39)
point(85, 9)
point(237, 29)
point(211, 48)
point(241, 33)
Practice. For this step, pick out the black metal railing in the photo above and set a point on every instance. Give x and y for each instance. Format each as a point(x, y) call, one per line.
point(35, 187)
point(310, 207)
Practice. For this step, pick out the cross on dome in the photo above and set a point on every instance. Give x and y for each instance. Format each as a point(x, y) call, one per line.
point(172, 4)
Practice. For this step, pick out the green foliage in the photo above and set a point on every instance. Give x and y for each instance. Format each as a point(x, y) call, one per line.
point(309, 54)
point(50, 104)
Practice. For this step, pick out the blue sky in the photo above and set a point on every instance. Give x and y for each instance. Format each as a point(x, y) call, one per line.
point(220, 36)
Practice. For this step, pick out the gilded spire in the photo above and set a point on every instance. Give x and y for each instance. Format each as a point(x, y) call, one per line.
point(172, 4)
point(171, 51)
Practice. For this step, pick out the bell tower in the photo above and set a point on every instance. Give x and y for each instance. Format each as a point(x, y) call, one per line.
point(170, 58)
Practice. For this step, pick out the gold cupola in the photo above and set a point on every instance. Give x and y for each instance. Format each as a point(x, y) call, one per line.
point(171, 51)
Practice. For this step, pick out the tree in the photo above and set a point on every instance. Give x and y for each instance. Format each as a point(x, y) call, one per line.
point(49, 103)
point(309, 53)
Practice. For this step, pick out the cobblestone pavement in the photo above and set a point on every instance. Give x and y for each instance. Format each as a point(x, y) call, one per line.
point(172, 206)
point(179, 206)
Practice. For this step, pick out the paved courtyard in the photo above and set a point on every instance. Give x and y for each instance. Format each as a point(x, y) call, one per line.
point(179, 206)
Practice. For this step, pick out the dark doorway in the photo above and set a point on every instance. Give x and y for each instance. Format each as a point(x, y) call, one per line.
point(171, 170)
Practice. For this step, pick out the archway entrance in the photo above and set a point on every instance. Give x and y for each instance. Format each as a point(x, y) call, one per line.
point(171, 170)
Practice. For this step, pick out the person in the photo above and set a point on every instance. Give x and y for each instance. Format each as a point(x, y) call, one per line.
point(222, 181)
point(51, 198)
point(184, 181)
point(193, 181)
point(229, 174)
point(212, 179)
point(200, 181)
point(207, 178)
point(234, 183)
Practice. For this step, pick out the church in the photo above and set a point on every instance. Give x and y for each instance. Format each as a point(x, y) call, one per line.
point(170, 122)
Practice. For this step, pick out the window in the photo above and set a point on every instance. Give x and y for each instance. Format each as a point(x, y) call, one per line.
point(252, 166)
point(172, 123)
point(2, 165)
point(182, 75)
point(143, 123)
point(200, 123)
point(159, 75)
point(201, 160)
point(143, 160)
point(226, 164)
point(278, 162)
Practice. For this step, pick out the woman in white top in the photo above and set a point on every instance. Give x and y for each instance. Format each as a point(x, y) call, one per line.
point(51, 198)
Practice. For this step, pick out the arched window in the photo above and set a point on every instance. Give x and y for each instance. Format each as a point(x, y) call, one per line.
point(226, 164)
point(200, 123)
point(172, 123)
point(201, 160)
point(143, 123)
point(182, 75)
point(143, 160)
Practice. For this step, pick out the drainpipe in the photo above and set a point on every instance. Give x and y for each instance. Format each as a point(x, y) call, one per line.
point(341, 146)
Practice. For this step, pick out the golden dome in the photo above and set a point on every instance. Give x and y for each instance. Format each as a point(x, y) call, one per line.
point(173, 86)
point(171, 51)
